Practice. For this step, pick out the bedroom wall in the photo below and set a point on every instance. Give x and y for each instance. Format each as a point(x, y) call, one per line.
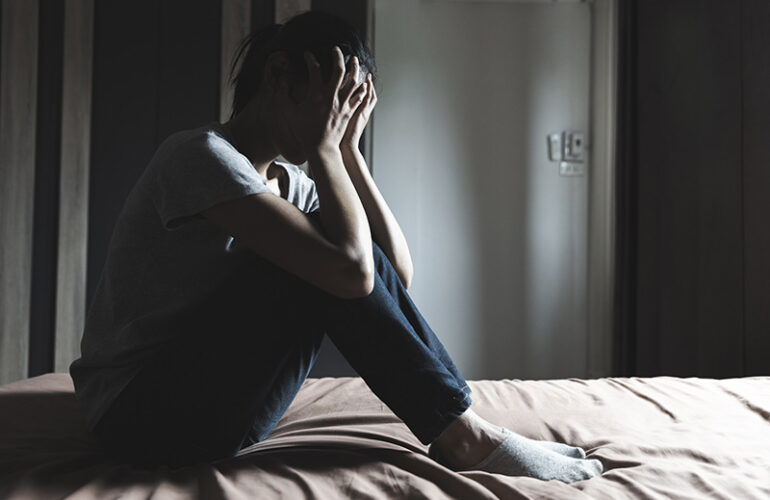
point(469, 92)
point(695, 299)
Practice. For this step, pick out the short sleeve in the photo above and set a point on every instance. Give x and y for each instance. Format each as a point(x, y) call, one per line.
point(199, 173)
point(304, 194)
point(311, 200)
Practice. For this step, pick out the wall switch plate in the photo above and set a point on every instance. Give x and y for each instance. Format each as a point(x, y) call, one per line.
point(574, 146)
point(572, 169)
point(554, 146)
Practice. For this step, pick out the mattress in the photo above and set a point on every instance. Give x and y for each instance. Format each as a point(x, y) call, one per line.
point(657, 438)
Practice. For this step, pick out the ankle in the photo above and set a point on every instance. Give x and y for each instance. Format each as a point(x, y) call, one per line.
point(466, 441)
point(460, 430)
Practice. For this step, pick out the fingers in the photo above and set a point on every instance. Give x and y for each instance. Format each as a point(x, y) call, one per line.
point(368, 100)
point(373, 98)
point(371, 94)
point(358, 95)
point(360, 107)
point(350, 82)
point(354, 69)
point(341, 82)
point(338, 70)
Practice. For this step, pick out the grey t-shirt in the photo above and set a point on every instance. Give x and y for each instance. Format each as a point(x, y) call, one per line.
point(166, 261)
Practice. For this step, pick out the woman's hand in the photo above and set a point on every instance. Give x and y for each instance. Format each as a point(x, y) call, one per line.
point(360, 117)
point(318, 123)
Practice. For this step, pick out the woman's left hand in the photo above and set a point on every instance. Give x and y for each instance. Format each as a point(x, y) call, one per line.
point(360, 116)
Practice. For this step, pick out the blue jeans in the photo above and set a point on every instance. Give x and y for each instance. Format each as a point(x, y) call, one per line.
point(200, 400)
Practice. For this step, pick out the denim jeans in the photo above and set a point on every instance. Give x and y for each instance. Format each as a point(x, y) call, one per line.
point(202, 400)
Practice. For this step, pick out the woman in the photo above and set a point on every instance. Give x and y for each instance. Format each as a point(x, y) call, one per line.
point(226, 268)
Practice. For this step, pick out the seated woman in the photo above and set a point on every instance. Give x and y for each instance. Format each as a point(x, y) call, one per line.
point(226, 268)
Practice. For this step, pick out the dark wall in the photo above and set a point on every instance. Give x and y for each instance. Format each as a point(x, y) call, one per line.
point(755, 66)
point(694, 188)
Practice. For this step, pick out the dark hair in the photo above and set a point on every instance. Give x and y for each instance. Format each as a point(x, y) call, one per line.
point(313, 31)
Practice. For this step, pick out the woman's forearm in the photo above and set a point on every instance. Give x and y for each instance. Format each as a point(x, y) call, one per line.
point(342, 215)
point(384, 227)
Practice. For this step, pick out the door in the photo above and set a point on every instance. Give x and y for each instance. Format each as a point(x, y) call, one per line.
point(468, 93)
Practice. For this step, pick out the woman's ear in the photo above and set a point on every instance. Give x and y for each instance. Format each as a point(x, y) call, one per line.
point(276, 73)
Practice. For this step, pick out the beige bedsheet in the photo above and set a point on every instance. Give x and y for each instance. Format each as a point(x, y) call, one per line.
point(658, 438)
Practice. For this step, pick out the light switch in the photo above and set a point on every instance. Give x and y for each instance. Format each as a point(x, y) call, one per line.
point(574, 146)
point(554, 146)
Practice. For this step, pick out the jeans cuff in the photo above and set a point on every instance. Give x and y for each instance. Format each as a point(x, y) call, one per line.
point(445, 415)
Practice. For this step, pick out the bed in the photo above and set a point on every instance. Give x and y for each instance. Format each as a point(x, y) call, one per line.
point(657, 437)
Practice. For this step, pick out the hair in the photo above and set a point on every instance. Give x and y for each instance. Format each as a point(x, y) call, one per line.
point(313, 31)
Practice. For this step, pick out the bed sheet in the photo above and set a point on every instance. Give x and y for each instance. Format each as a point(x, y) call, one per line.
point(658, 438)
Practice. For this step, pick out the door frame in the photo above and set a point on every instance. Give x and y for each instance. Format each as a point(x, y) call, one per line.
point(601, 189)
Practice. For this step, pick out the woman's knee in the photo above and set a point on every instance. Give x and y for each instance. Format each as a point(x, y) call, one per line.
point(381, 261)
point(382, 265)
point(378, 252)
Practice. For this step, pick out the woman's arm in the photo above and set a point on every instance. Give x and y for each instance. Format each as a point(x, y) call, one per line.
point(384, 227)
point(337, 259)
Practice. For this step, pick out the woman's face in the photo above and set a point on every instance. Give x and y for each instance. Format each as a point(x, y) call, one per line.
point(284, 139)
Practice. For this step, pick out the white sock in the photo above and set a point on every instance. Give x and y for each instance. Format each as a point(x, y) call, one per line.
point(521, 456)
point(561, 448)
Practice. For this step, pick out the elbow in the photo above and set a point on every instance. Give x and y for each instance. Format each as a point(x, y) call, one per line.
point(358, 278)
point(357, 284)
point(363, 275)
point(364, 284)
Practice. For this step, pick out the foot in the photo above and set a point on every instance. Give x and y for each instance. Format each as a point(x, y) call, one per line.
point(560, 448)
point(474, 444)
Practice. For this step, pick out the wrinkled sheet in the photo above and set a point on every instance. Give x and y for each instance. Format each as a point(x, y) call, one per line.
point(657, 437)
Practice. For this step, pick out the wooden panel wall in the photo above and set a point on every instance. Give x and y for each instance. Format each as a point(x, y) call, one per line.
point(262, 13)
point(47, 164)
point(284, 9)
point(236, 25)
point(18, 113)
point(74, 176)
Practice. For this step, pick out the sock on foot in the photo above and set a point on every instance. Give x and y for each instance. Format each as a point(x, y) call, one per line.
point(521, 456)
point(561, 448)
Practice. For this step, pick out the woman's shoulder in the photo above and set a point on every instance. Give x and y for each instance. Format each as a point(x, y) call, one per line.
point(204, 142)
point(209, 136)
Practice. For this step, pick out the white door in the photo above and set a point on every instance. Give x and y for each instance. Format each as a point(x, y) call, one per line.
point(468, 92)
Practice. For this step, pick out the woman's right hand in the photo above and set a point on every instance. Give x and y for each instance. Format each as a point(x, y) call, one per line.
point(320, 120)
